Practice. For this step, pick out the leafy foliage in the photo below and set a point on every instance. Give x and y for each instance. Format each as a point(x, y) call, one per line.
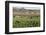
point(26, 21)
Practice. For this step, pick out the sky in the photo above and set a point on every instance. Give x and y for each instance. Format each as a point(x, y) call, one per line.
point(30, 8)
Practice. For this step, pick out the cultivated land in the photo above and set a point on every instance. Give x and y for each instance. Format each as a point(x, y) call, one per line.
point(26, 18)
point(26, 21)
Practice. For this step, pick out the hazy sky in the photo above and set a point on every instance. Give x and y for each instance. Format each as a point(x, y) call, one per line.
point(32, 8)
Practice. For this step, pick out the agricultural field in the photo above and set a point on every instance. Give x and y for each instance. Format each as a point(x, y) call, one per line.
point(23, 17)
point(26, 21)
